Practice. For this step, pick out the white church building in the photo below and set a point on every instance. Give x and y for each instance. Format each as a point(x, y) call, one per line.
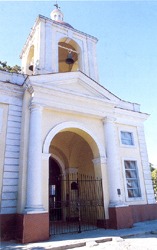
point(73, 155)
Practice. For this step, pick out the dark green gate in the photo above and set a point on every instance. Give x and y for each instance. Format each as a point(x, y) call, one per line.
point(80, 206)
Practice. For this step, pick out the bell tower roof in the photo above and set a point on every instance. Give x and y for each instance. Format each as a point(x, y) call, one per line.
point(58, 16)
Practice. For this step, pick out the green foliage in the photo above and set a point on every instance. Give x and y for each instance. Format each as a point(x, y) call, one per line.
point(5, 67)
point(154, 178)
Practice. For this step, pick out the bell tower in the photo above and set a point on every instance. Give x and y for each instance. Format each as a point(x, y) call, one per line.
point(54, 46)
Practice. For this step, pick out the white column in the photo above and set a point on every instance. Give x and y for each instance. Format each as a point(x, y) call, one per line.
point(112, 161)
point(34, 170)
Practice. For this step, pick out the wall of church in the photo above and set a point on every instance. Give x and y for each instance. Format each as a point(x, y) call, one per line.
point(131, 153)
point(24, 152)
point(3, 131)
point(11, 113)
point(137, 153)
point(50, 119)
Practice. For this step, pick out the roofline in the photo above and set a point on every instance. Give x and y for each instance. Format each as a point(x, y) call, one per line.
point(127, 112)
point(53, 73)
point(39, 17)
point(109, 91)
point(62, 24)
point(135, 106)
point(20, 79)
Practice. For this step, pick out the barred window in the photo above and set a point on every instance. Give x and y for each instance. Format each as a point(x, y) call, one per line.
point(131, 174)
point(127, 138)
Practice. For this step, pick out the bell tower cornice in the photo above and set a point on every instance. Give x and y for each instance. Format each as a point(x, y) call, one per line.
point(44, 19)
point(54, 46)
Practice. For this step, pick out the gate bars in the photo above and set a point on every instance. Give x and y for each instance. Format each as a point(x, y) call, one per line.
point(81, 205)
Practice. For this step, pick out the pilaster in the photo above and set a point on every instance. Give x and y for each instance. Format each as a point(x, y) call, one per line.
point(145, 165)
point(48, 48)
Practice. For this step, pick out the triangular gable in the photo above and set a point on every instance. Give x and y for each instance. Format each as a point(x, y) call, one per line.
point(76, 83)
point(79, 87)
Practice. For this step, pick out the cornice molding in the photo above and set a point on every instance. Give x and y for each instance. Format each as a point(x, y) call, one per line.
point(130, 115)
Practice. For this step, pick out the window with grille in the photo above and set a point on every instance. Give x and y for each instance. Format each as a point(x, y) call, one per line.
point(132, 181)
point(127, 138)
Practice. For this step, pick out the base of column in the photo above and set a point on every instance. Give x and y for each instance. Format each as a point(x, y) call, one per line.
point(32, 227)
point(34, 209)
point(117, 204)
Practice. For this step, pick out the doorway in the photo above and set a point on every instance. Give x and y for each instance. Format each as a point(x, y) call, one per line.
point(55, 211)
point(76, 196)
point(76, 203)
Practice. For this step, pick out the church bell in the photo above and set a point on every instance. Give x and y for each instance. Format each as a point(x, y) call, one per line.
point(31, 67)
point(69, 59)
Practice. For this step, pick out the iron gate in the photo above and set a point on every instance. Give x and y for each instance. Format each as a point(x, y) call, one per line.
point(80, 207)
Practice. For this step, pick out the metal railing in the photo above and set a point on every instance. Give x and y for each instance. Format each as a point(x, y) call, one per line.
point(80, 207)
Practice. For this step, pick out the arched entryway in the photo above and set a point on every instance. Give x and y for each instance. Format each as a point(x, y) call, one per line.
point(81, 205)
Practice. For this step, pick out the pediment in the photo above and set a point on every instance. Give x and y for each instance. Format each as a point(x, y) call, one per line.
point(80, 84)
point(76, 83)
point(79, 87)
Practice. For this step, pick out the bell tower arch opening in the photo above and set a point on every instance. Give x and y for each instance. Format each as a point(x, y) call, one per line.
point(69, 55)
point(30, 61)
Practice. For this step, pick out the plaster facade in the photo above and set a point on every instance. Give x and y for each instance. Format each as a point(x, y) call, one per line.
point(64, 113)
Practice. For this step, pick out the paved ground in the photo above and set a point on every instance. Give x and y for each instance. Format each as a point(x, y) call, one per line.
point(143, 236)
point(138, 242)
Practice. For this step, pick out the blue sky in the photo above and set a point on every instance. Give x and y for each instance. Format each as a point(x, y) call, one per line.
point(126, 50)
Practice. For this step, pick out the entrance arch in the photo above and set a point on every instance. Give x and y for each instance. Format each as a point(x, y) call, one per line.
point(81, 196)
point(97, 148)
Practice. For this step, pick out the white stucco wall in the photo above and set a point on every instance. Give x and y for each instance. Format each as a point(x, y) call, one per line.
point(11, 104)
point(71, 102)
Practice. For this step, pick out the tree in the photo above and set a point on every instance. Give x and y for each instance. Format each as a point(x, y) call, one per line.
point(154, 178)
point(5, 67)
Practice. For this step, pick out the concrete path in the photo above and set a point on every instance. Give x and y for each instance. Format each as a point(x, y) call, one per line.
point(89, 238)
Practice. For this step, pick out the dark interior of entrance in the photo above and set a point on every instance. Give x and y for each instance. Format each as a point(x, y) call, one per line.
point(75, 201)
point(55, 213)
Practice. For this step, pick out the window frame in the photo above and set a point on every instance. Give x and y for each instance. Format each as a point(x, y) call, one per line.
point(132, 137)
point(137, 178)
